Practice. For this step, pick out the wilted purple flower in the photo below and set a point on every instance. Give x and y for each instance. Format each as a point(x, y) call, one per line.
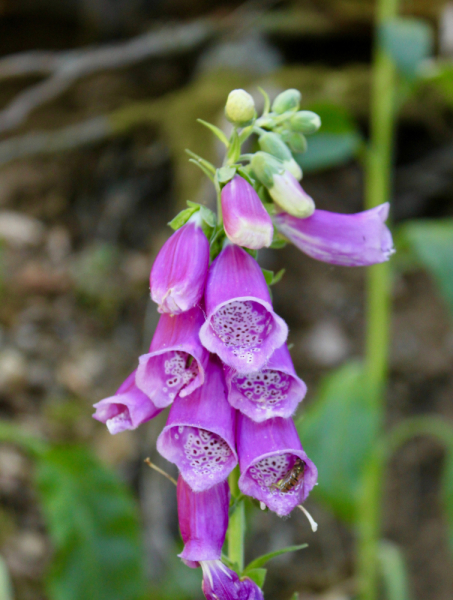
point(127, 409)
point(354, 240)
point(275, 391)
point(221, 583)
point(241, 326)
point(246, 221)
point(269, 452)
point(199, 434)
point(176, 360)
point(179, 272)
point(203, 521)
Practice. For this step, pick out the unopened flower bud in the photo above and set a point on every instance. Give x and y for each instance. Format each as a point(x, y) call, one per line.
point(287, 100)
point(305, 121)
point(289, 195)
point(273, 144)
point(265, 166)
point(296, 141)
point(240, 107)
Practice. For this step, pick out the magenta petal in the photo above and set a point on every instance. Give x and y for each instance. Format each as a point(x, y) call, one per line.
point(221, 583)
point(179, 272)
point(127, 409)
point(267, 452)
point(241, 326)
point(275, 391)
point(199, 435)
point(354, 240)
point(176, 361)
point(203, 520)
point(246, 221)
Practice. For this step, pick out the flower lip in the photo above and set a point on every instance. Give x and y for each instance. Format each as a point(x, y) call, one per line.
point(199, 436)
point(275, 391)
point(176, 361)
point(221, 583)
point(127, 409)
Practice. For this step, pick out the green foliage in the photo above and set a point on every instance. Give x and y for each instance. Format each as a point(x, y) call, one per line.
point(271, 277)
point(431, 242)
point(225, 174)
point(259, 562)
point(93, 524)
point(258, 576)
point(182, 218)
point(6, 590)
point(408, 41)
point(338, 431)
point(393, 570)
point(337, 143)
point(216, 131)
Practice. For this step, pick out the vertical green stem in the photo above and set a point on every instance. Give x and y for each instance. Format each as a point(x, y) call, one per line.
point(378, 178)
point(236, 526)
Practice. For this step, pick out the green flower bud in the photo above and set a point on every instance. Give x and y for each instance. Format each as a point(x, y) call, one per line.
point(305, 121)
point(287, 100)
point(265, 166)
point(240, 107)
point(273, 144)
point(296, 141)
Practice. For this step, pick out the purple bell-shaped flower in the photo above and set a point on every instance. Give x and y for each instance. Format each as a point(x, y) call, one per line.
point(246, 221)
point(356, 240)
point(199, 436)
point(241, 326)
point(127, 409)
point(274, 467)
point(275, 391)
point(179, 272)
point(221, 583)
point(176, 361)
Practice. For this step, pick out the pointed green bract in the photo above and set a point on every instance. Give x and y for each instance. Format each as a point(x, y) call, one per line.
point(262, 560)
point(258, 576)
point(216, 131)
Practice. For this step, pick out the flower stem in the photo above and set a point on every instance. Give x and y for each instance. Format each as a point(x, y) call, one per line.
point(377, 191)
point(236, 527)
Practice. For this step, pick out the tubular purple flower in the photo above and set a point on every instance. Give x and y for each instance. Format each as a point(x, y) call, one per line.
point(127, 409)
point(179, 272)
point(241, 326)
point(245, 219)
point(354, 240)
point(176, 361)
point(220, 583)
point(203, 521)
point(275, 391)
point(199, 436)
point(270, 452)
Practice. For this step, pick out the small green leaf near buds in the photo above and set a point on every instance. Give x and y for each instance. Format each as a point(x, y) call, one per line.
point(240, 107)
point(225, 174)
point(287, 100)
point(182, 217)
point(265, 167)
point(305, 121)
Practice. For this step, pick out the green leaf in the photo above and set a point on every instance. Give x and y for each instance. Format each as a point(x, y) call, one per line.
point(262, 560)
point(243, 172)
point(201, 166)
point(258, 576)
point(6, 589)
point(94, 527)
point(206, 213)
point(267, 101)
point(276, 278)
point(408, 41)
point(432, 243)
point(209, 166)
point(394, 573)
point(268, 276)
point(216, 131)
point(225, 174)
point(336, 144)
point(234, 151)
point(447, 494)
point(338, 431)
point(182, 217)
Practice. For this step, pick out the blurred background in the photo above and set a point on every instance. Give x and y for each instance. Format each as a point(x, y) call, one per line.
point(98, 100)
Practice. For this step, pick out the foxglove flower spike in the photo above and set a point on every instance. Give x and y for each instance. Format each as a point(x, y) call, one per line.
point(241, 326)
point(356, 240)
point(199, 436)
point(178, 275)
point(176, 360)
point(127, 409)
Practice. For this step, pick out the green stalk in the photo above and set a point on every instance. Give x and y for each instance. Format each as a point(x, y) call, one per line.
point(378, 178)
point(236, 526)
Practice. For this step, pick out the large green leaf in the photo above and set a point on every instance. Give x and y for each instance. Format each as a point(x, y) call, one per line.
point(432, 243)
point(93, 524)
point(338, 141)
point(338, 431)
point(409, 41)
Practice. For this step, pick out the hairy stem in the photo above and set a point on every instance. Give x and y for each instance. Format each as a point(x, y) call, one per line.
point(236, 527)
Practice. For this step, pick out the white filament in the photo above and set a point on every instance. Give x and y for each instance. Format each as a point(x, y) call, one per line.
point(313, 524)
